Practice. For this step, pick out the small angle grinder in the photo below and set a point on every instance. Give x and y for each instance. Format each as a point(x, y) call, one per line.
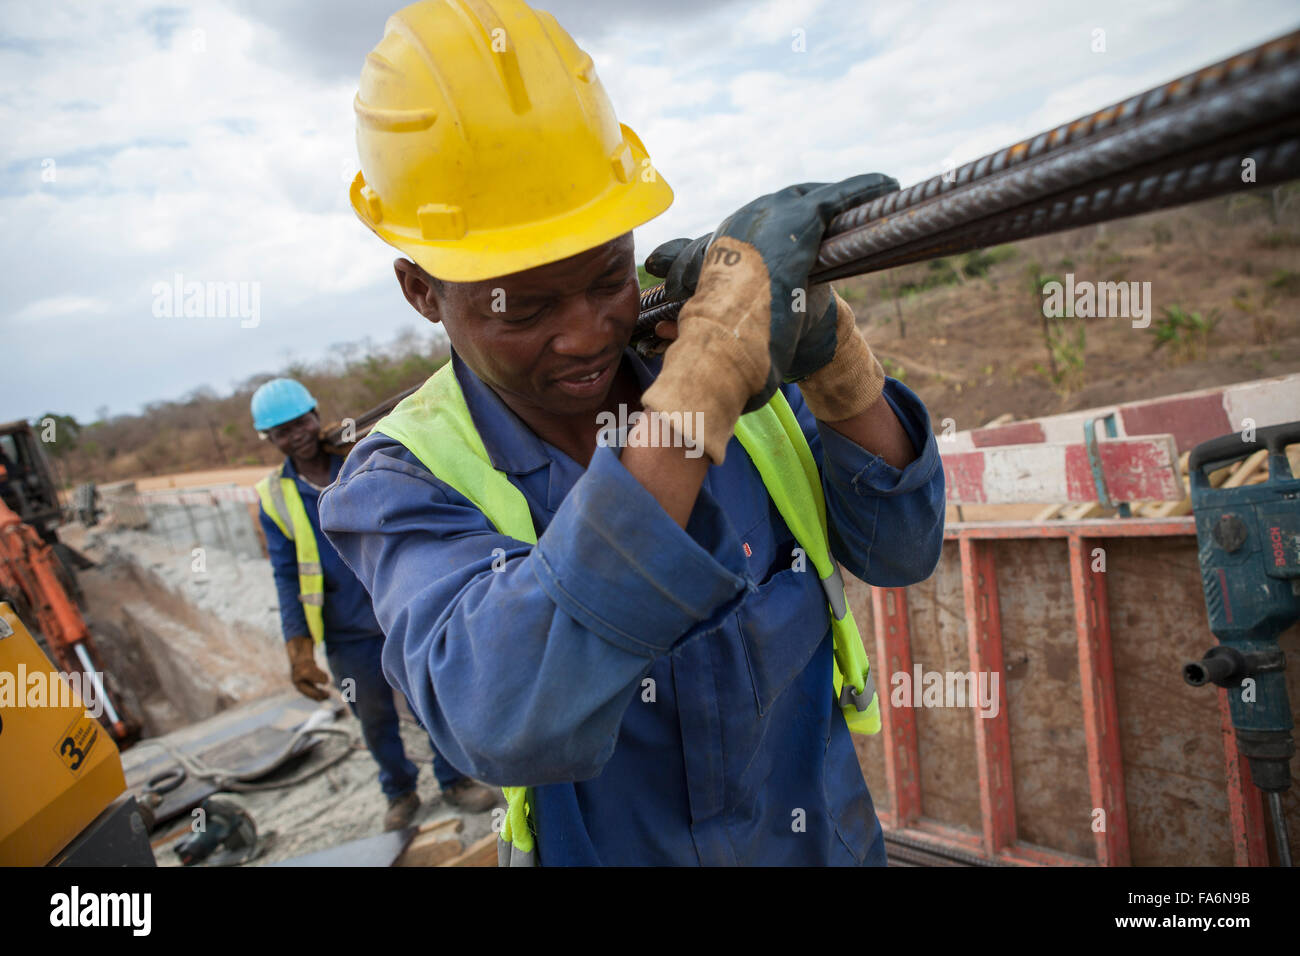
point(228, 837)
point(1248, 542)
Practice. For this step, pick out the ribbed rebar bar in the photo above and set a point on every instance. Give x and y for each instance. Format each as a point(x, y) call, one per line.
point(1230, 126)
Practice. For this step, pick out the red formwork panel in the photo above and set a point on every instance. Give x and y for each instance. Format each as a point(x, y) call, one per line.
point(1097, 753)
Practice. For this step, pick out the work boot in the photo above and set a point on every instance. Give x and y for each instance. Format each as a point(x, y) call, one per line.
point(401, 810)
point(471, 796)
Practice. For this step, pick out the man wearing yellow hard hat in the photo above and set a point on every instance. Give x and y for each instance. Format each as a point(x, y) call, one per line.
point(611, 584)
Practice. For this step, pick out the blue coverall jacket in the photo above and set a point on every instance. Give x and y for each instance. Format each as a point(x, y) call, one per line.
point(666, 691)
point(348, 613)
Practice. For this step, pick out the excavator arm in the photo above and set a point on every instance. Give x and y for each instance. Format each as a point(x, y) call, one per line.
point(31, 581)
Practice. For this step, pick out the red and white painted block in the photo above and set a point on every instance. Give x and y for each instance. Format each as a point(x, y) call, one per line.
point(1191, 417)
point(1134, 469)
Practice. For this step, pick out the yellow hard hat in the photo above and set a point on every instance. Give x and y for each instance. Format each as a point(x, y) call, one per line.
point(488, 145)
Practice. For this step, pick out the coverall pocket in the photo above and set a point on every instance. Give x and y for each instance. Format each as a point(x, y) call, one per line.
point(782, 626)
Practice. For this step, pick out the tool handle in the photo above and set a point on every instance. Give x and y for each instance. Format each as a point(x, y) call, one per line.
point(1232, 447)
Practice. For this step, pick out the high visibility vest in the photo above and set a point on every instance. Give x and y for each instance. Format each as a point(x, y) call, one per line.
point(280, 500)
point(434, 424)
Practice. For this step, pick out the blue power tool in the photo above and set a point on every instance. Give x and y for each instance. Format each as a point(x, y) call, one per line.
point(1248, 542)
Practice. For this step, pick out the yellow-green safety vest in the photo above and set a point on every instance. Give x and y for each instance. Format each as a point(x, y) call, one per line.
point(280, 500)
point(434, 424)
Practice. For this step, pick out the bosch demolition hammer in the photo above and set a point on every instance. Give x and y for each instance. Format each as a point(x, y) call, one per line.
point(1248, 542)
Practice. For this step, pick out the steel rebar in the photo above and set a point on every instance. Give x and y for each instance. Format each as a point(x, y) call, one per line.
point(1230, 126)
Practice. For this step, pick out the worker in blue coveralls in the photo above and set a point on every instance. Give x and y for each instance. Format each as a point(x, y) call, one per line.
point(321, 600)
point(607, 581)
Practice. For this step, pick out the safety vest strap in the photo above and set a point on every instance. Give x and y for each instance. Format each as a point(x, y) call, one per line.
point(279, 499)
point(775, 443)
point(282, 502)
point(434, 424)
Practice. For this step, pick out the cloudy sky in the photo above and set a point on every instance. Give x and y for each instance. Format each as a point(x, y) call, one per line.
point(215, 141)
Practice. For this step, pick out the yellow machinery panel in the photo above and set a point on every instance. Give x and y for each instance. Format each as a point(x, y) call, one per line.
point(59, 768)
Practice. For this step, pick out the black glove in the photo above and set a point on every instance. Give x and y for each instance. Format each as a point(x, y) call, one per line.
point(678, 263)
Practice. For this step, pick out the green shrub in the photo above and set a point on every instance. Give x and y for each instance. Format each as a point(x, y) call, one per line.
point(1186, 333)
point(1279, 240)
point(977, 263)
point(1285, 281)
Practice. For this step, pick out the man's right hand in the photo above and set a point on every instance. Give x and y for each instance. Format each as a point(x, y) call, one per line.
point(303, 671)
point(750, 313)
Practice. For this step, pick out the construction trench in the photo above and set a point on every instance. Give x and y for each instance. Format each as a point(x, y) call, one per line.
point(195, 652)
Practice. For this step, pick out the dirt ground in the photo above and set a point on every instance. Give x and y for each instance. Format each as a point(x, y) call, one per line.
point(340, 804)
point(244, 477)
point(973, 351)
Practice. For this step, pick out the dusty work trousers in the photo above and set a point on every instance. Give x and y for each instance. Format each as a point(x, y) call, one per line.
point(371, 698)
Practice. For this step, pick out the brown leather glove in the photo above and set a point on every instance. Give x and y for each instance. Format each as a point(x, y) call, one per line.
point(853, 379)
point(303, 670)
point(748, 328)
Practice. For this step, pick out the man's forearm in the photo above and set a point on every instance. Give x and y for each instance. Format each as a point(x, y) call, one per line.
point(668, 473)
point(878, 430)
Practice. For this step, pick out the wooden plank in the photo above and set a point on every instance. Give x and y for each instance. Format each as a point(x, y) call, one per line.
point(482, 852)
point(434, 844)
point(1245, 802)
point(992, 732)
point(1100, 710)
point(1134, 469)
point(1089, 509)
point(1170, 509)
point(451, 825)
point(1049, 754)
point(871, 749)
point(945, 736)
point(1172, 751)
point(1245, 469)
point(898, 725)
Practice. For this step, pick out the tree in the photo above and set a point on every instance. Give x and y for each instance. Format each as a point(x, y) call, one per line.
point(58, 432)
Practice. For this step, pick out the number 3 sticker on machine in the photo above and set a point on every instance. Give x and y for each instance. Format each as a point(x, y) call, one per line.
point(77, 742)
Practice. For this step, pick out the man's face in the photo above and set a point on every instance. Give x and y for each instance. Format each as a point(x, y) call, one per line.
point(550, 338)
point(298, 438)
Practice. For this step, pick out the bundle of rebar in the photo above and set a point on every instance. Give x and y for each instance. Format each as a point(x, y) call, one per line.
point(1230, 126)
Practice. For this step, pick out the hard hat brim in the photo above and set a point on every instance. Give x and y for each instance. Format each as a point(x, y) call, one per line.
point(488, 254)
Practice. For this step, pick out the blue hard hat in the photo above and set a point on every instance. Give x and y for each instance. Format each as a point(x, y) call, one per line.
point(278, 401)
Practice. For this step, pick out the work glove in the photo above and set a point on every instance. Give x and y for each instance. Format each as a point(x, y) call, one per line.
point(679, 261)
point(740, 334)
point(851, 382)
point(303, 670)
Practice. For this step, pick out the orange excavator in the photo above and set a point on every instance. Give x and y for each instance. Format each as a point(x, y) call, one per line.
point(40, 584)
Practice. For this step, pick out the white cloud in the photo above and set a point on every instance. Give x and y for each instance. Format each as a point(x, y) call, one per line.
point(61, 307)
point(225, 154)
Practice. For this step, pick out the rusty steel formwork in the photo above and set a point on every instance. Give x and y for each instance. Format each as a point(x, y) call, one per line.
point(1093, 713)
